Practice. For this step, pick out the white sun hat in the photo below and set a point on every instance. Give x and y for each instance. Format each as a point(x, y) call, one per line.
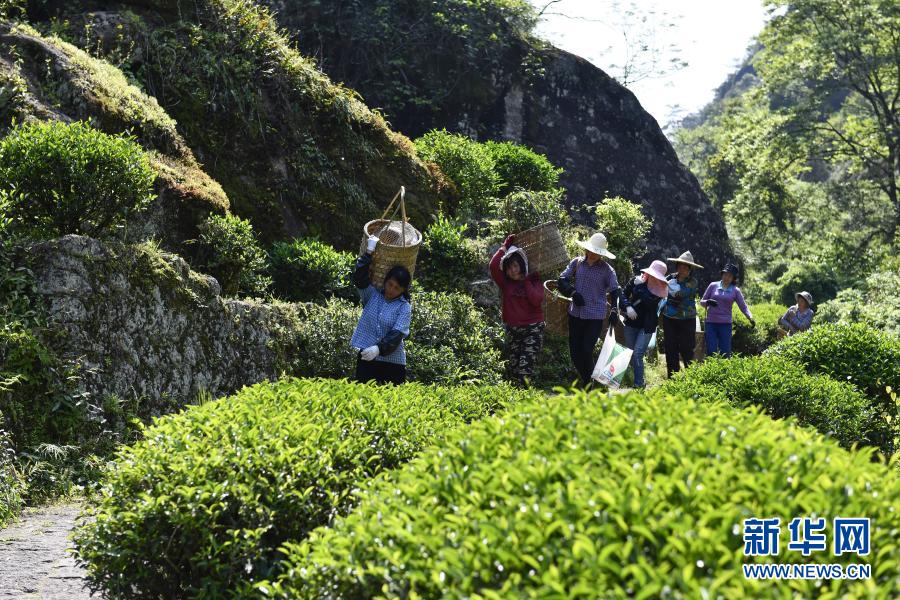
point(597, 244)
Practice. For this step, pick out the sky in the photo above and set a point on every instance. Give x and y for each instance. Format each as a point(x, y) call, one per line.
point(710, 36)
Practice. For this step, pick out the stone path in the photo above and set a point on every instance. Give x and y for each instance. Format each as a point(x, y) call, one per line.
point(34, 558)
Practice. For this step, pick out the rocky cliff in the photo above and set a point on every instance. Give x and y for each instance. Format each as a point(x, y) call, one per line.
point(476, 68)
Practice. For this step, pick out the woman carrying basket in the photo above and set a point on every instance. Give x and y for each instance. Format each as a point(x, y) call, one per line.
point(384, 322)
point(587, 280)
point(522, 294)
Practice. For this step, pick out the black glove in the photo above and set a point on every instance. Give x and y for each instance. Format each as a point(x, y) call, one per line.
point(712, 302)
point(753, 323)
point(577, 299)
point(613, 316)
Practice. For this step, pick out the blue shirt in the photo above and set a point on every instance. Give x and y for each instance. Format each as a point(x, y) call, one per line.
point(378, 318)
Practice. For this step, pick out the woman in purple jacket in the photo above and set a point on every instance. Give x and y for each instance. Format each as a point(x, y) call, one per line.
point(717, 299)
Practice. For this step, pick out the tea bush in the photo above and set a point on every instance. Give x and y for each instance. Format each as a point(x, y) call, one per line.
point(11, 485)
point(784, 389)
point(858, 354)
point(525, 209)
point(749, 340)
point(447, 261)
point(309, 270)
point(468, 164)
point(598, 496)
point(626, 228)
point(875, 302)
point(71, 178)
point(203, 503)
point(520, 167)
point(227, 249)
point(450, 341)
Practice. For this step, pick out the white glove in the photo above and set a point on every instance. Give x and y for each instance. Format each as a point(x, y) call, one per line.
point(369, 353)
point(632, 314)
point(371, 243)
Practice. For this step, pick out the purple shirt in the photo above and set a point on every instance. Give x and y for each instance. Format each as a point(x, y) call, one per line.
point(725, 297)
point(593, 282)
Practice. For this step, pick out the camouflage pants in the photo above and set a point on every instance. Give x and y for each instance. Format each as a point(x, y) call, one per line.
point(524, 345)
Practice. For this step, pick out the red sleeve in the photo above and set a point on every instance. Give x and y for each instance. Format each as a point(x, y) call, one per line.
point(535, 290)
point(496, 272)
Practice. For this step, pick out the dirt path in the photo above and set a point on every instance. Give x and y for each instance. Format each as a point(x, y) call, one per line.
point(34, 561)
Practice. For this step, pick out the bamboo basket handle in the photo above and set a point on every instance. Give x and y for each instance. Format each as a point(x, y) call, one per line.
point(403, 214)
point(394, 199)
point(400, 195)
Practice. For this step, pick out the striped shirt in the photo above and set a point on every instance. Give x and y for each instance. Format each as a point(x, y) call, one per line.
point(593, 282)
point(378, 318)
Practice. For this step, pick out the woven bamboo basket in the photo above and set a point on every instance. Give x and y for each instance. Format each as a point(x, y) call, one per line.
point(544, 248)
point(556, 309)
point(398, 242)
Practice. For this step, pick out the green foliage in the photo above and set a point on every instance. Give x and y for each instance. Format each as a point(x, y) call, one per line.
point(468, 164)
point(524, 209)
point(433, 354)
point(11, 484)
point(447, 260)
point(625, 227)
point(71, 178)
point(587, 495)
point(875, 302)
point(520, 167)
point(202, 504)
point(360, 43)
point(818, 279)
point(858, 354)
point(309, 270)
point(451, 341)
point(227, 249)
point(783, 389)
point(749, 340)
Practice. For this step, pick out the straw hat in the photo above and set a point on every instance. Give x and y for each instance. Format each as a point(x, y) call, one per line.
point(597, 244)
point(806, 296)
point(686, 258)
point(656, 278)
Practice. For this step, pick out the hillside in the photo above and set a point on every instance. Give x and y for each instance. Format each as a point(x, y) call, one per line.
point(296, 153)
point(476, 68)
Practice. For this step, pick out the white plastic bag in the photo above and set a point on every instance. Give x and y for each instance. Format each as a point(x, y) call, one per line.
point(613, 361)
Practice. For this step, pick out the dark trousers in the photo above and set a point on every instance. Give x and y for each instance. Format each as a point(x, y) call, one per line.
point(380, 372)
point(680, 337)
point(583, 336)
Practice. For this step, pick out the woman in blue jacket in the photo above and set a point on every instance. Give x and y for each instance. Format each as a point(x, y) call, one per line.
point(384, 322)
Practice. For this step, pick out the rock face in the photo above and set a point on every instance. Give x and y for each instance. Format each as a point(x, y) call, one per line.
point(141, 324)
point(517, 89)
point(609, 146)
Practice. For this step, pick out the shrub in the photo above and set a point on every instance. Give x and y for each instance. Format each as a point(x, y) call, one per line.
point(524, 209)
point(594, 495)
point(202, 505)
point(749, 340)
point(784, 389)
point(309, 270)
point(450, 341)
point(861, 355)
point(875, 303)
point(71, 178)
point(468, 164)
point(817, 278)
point(520, 167)
point(11, 485)
point(227, 249)
point(626, 228)
point(447, 261)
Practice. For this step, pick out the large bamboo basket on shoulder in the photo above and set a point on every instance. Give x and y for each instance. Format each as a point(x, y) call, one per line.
point(556, 309)
point(544, 247)
point(398, 243)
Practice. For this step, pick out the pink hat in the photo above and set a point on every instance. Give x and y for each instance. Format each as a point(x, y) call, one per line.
point(656, 280)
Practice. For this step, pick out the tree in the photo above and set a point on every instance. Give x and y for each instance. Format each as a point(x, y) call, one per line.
point(836, 68)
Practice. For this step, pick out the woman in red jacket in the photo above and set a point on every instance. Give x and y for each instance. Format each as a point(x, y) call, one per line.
point(522, 294)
